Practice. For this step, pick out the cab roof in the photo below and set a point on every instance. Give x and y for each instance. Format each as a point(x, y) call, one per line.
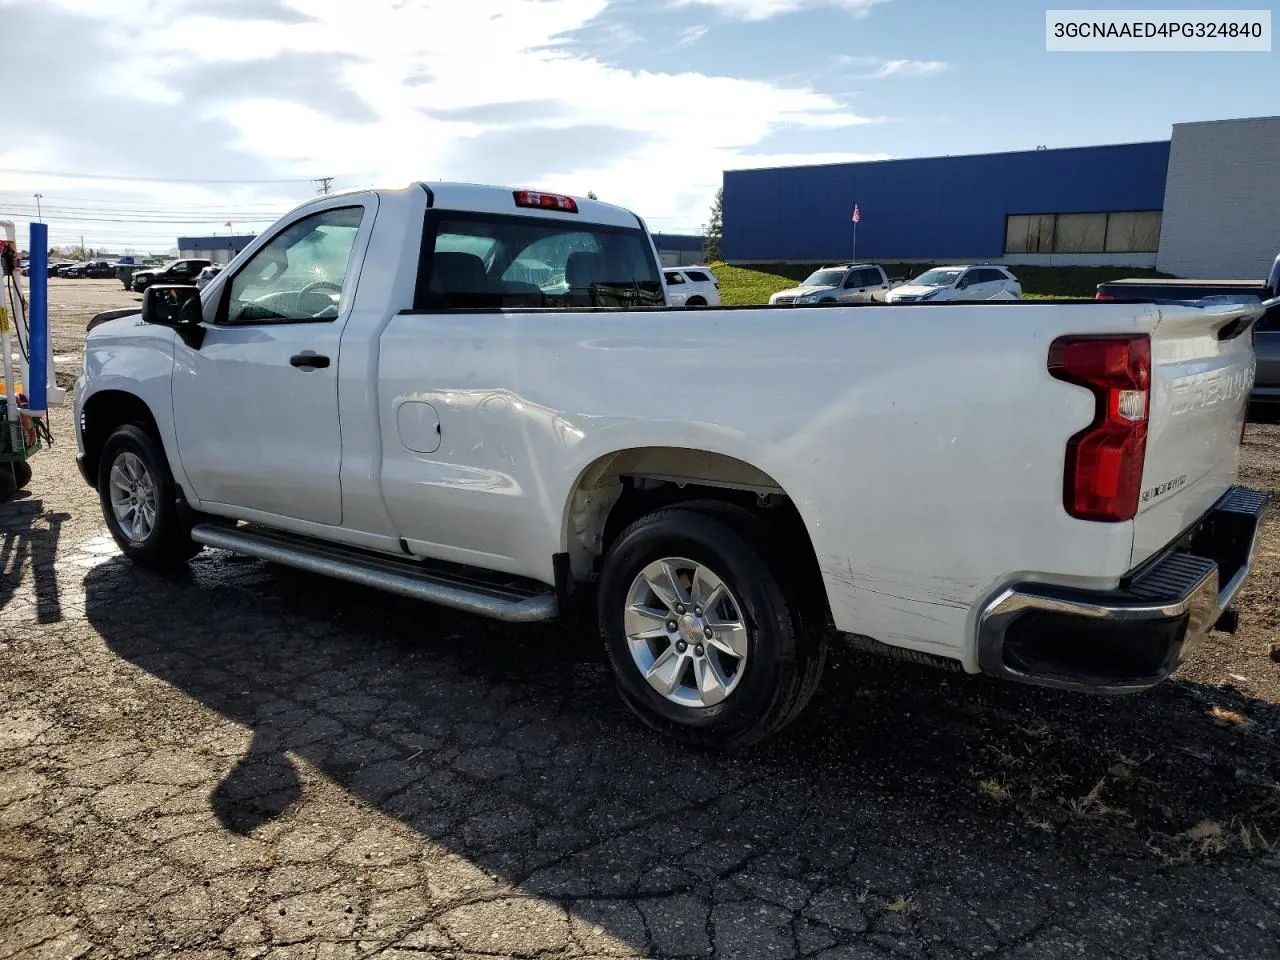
point(501, 200)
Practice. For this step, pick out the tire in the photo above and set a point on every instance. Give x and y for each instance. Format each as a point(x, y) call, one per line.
point(21, 474)
point(785, 647)
point(7, 487)
point(696, 302)
point(164, 542)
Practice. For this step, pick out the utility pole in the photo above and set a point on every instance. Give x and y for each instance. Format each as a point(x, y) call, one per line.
point(322, 187)
point(39, 212)
point(82, 246)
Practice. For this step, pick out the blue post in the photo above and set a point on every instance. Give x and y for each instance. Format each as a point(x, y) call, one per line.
point(38, 322)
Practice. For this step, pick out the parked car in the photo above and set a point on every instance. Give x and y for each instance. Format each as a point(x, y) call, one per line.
point(691, 287)
point(979, 282)
point(91, 270)
point(1266, 333)
point(851, 283)
point(62, 269)
point(175, 271)
point(207, 274)
point(126, 267)
point(380, 400)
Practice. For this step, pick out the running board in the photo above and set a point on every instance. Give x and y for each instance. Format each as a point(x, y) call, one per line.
point(487, 595)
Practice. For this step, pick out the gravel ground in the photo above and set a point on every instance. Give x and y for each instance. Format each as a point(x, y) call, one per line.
point(247, 761)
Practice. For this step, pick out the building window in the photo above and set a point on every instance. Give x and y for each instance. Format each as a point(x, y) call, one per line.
point(1124, 232)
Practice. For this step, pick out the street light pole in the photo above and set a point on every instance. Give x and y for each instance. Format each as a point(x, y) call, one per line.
point(39, 212)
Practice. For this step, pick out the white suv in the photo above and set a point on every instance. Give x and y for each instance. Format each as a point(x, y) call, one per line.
point(851, 283)
point(691, 287)
point(981, 282)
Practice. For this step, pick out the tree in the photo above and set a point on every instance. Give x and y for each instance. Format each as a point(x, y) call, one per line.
point(591, 195)
point(713, 229)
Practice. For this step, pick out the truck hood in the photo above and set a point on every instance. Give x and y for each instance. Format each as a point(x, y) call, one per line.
point(803, 291)
point(913, 290)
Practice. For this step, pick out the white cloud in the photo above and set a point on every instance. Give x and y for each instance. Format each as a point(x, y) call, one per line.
point(767, 9)
point(691, 35)
point(914, 69)
point(878, 68)
point(432, 75)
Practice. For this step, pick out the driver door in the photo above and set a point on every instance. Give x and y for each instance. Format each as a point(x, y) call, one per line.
point(256, 405)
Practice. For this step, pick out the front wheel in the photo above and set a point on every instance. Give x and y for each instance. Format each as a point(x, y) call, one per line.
point(140, 502)
point(707, 643)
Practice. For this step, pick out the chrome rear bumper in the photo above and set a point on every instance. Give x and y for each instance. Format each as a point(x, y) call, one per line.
point(1133, 637)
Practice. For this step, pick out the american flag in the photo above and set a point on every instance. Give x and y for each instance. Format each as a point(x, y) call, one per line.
point(857, 215)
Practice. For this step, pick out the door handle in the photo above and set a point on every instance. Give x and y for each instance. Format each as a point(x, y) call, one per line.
point(308, 360)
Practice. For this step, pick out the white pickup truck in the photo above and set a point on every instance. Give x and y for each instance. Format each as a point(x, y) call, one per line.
point(476, 396)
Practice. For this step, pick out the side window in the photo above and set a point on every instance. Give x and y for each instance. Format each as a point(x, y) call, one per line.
point(697, 276)
point(673, 278)
point(298, 276)
point(870, 278)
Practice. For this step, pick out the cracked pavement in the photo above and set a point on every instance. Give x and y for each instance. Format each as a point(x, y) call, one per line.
point(249, 761)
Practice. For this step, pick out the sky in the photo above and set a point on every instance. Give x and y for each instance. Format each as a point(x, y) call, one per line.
point(140, 120)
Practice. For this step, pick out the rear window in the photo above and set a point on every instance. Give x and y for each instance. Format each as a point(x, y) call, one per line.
point(482, 261)
point(697, 276)
point(673, 278)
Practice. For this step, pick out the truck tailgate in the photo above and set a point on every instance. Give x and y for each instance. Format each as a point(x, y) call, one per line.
point(1202, 370)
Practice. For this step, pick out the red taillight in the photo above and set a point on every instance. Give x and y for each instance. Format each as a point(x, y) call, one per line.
point(545, 201)
point(1104, 461)
point(1103, 296)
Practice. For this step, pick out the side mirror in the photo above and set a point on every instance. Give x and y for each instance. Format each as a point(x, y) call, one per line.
point(177, 306)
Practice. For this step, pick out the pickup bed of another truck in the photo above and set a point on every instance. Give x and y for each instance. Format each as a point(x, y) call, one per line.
point(1266, 334)
point(477, 397)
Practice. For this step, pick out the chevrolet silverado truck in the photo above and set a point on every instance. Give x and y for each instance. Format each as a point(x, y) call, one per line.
point(478, 397)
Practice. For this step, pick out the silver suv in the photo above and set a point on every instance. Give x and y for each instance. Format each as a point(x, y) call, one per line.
point(852, 283)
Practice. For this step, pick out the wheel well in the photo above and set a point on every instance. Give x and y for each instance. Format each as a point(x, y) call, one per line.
point(105, 411)
point(696, 301)
point(622, 487)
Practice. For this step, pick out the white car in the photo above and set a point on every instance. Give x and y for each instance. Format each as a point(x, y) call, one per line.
point(980, 282)
point(373, 383)
point(851, 283)
point(691, 287)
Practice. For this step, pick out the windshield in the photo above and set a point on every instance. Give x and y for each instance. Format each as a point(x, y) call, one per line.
point(937, 278)
point(824, 278)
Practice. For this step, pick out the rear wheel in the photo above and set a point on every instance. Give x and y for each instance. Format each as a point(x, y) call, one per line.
point(707, 642)
point(696, 302)
point(21, 474)
point(140, 502)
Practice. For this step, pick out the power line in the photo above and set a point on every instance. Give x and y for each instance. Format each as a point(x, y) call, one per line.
point(178, 213)
point(102, 205)
point(108, 176)
point(173, 222)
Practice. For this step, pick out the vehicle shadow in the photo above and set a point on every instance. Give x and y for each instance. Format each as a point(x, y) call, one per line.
point(900, 785)
point(26, 543)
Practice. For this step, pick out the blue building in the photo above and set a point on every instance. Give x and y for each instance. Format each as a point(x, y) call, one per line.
point(679, 249)
point(1203, 203)
point(217, 249)
point(983, 207)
